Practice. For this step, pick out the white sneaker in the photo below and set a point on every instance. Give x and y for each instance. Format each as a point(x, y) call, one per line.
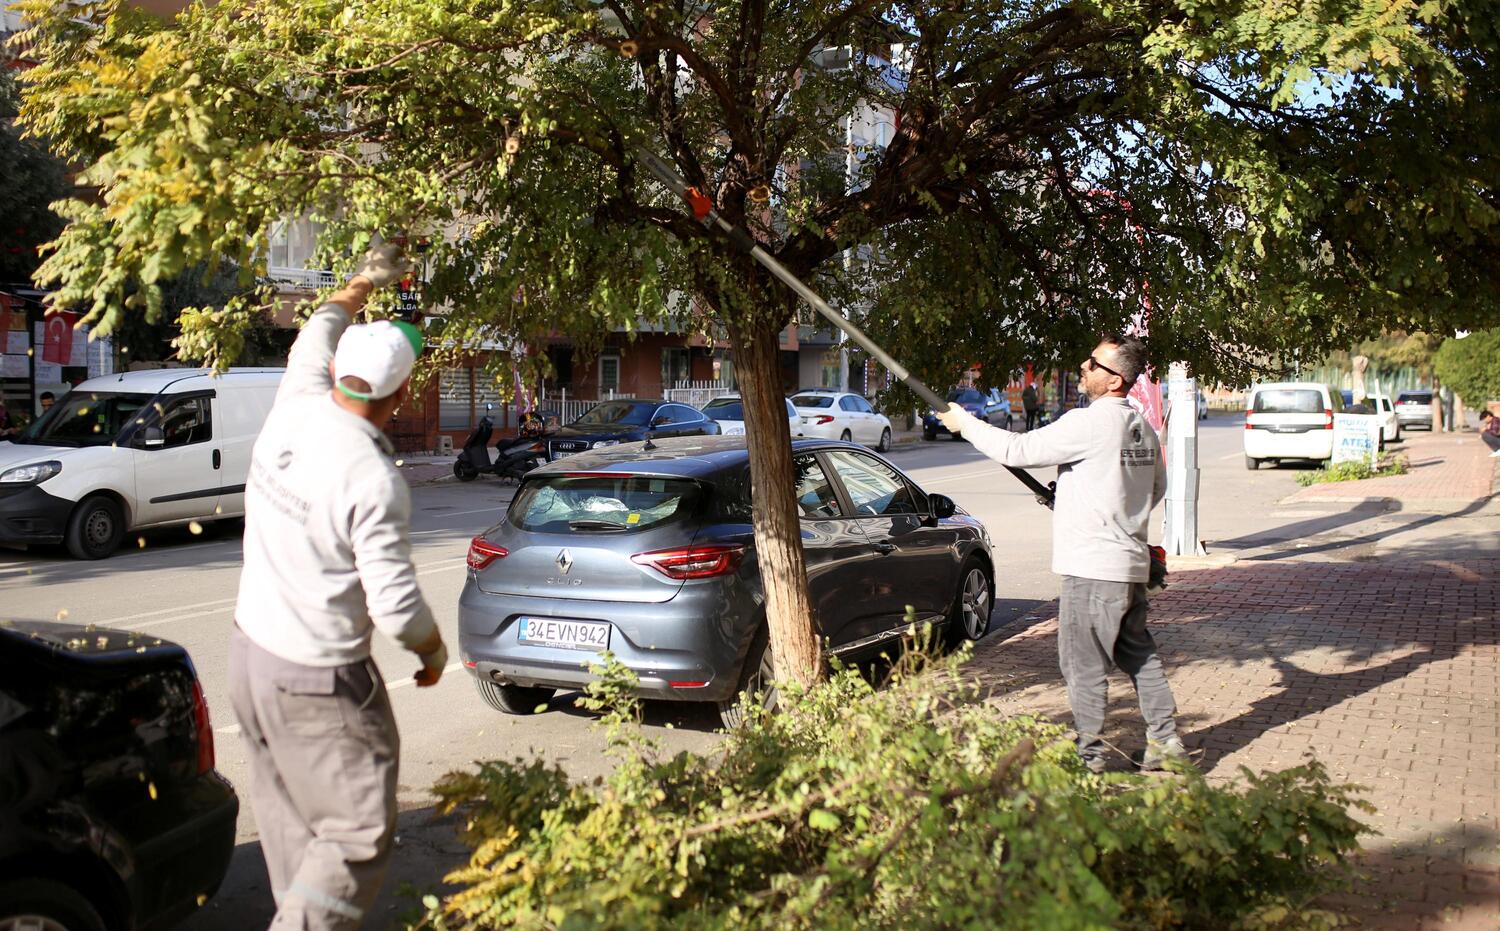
point(1495, 454)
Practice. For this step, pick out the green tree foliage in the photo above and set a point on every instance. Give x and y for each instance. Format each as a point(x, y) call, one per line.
point(144, 340)
point(31, 178)
point(910, 807)
point(1471, 367)
point(1276, 178)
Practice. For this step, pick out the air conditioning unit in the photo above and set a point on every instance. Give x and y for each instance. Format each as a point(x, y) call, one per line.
point(444, 444)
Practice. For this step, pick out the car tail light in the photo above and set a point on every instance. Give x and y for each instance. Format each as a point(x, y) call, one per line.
point(688, 685)
point(694, 562)
point(1327, 419)
point(822, 418)
point(203, 730)
point(482, 552)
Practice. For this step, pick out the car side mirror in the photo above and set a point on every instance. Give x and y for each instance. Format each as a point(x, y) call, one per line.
point(942, 506)
point(153, 437)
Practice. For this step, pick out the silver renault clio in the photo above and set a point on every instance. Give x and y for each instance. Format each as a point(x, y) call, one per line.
point(646, 550)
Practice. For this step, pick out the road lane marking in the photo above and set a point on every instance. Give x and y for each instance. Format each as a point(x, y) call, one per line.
point(209, 608)
point(389, 687)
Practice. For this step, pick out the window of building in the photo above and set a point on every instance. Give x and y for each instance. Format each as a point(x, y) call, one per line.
point(675, 366)
point(609, 373)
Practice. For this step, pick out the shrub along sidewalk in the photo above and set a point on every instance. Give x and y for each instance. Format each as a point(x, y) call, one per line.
point(915, 806)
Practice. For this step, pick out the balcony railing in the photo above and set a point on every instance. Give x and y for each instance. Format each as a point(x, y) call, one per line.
point(301, 279)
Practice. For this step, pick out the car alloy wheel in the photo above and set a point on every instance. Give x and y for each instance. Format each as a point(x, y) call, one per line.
point(885, 441)
point(846, 436)
point(970, 619)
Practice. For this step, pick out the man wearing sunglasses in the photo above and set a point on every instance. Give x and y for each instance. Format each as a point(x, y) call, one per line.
point(1110, 475)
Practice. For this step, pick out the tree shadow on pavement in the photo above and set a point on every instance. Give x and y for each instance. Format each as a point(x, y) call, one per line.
point(427, 848)
point(1303, 693)
point(1367, 539)
point(1438, 878)
point(1246, 647)
point(1367, 509)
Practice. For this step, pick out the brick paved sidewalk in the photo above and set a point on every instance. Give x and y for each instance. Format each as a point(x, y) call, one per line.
point(1443, 467)
point(1388, 673)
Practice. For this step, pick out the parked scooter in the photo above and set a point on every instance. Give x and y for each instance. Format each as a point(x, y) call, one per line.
point(510, 461)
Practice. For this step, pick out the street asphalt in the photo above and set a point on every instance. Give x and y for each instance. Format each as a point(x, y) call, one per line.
point(182, 586)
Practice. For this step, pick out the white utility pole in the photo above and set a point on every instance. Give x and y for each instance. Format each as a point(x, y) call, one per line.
point(1181, 537)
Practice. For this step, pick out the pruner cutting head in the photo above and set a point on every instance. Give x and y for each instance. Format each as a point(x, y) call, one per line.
point(696, 200)
point(701, 205)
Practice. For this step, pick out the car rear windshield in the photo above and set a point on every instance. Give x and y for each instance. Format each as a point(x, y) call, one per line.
point(1288, 401)
point(813, 400)
point(965, 396)
point(725, 409)
point(601, 503)
point(1417, 397)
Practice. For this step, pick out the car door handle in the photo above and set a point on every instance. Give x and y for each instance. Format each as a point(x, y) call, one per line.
point(885, 549)
point(217, 459)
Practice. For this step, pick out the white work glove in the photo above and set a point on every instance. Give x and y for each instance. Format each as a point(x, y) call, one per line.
point(383, 264)
point(956, 419)
point(433, 665)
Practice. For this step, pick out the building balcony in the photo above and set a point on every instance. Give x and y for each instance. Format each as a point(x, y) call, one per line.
point(300, 279)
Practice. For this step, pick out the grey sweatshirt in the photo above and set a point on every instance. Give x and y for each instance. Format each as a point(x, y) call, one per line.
point(327, 522)
point(1110, 474)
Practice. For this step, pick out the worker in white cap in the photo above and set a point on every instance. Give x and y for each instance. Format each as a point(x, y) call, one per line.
point(327, 561)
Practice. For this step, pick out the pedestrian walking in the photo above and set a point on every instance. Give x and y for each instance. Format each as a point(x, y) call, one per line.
point(1030, 404)
point(1489, 432)
point(328, 560)
point(1110, 475)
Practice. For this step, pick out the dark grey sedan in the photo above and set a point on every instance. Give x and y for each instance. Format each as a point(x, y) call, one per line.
point(647, 551)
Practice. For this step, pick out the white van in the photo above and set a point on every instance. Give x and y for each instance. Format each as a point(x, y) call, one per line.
point(1290, 420)
point(134, 450)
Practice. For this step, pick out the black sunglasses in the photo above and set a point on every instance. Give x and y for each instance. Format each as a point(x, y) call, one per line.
point(1096, 364)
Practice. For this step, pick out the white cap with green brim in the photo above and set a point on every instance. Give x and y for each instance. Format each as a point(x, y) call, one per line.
point(381, 354)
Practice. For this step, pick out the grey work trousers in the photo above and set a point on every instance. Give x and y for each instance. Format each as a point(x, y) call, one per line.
point(1102, 625)
point(323, 753)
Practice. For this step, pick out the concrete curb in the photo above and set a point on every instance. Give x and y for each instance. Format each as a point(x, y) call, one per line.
point(1190, 563)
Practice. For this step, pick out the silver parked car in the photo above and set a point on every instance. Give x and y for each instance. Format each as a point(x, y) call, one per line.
point(647, 551)
point(1414, 409)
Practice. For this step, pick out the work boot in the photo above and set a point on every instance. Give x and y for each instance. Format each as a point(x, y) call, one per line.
point(1158, 753)
point(1095, 764)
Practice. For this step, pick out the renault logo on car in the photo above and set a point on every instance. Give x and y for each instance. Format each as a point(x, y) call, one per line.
point(564, 562)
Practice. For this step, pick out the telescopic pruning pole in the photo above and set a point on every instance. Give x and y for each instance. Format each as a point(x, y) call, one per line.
point(703, 210)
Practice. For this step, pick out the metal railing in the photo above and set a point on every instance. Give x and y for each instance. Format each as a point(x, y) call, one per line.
point(302, 279)
point(697, 393)
point(570, 409)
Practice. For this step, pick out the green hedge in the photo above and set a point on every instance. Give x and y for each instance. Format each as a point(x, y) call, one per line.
point(911, 806)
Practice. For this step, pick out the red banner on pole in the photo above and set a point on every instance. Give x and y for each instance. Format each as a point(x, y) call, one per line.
point(57, 337)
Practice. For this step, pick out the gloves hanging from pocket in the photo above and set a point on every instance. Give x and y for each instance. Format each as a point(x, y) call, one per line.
point(1158, 578)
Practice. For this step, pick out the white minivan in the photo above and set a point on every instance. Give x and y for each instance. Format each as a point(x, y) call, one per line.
point(1290, 420)
point(134, 450)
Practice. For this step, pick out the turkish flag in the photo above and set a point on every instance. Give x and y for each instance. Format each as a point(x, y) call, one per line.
point(57, 337)
point(1145, 396)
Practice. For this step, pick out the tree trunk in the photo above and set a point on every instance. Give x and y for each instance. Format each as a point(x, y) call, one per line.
point(795, 648)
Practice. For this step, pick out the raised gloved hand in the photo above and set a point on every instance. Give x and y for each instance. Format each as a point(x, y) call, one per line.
point(383, 263)
point(956, 419)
